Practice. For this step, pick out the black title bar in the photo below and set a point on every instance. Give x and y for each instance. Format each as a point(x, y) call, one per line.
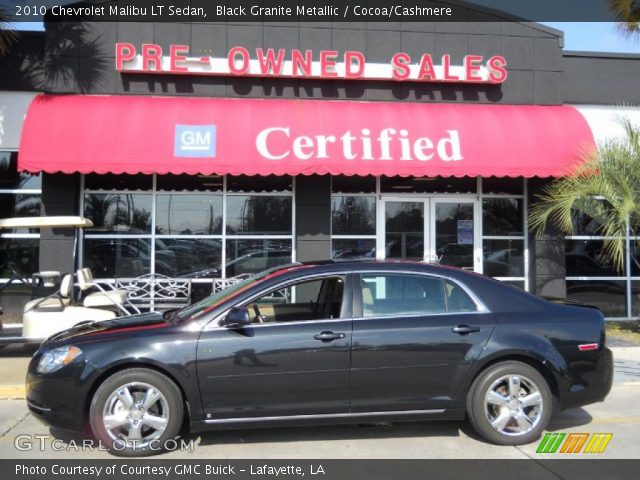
point(310, 10)
point(209, 469)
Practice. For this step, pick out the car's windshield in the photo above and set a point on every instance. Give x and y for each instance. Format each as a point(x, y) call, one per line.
point(205, 305)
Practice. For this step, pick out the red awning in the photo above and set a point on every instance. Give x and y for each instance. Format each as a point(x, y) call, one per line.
point(131, 134)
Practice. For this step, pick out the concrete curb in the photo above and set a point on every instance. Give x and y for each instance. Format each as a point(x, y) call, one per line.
point(12, 392)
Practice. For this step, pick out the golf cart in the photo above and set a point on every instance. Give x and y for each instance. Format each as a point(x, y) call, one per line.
point(55, 303)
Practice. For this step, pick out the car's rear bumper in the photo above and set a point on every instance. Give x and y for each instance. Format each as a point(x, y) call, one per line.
point(592, 383)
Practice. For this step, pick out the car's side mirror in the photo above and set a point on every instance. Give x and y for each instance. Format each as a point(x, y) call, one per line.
point(237, 317)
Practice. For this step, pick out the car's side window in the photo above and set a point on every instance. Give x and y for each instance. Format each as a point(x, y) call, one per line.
point(316, 299)
point(400, 294)
point(458, 301)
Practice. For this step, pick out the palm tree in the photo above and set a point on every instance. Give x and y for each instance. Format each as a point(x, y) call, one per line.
point(7, 35)
point(606, 188)
point(628, 14)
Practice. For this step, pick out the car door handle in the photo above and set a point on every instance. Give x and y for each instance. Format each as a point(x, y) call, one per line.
point(464, 329)
point(328, 336)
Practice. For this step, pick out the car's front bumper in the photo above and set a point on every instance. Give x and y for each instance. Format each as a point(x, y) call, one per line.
point(59, 399)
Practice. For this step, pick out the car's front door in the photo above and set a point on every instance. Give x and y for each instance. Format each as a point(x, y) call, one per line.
point(292, 360)
point(414, 339)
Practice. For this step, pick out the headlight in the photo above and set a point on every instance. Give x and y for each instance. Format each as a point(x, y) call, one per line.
point(57, 358)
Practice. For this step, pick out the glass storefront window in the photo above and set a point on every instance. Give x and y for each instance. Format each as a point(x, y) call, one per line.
point(19, 247)
point(117, 257)
point(503, 232)
point(454, 234)
point(200, 290)
point(587, 258)
point(258, 215)
point(253, 256)
point(635, 257)
point(11, 179)
point(345, 248)
point(503, 258)
point(608, 295)
point(635, 298)
point(188, 257)
point(189, 214)
point(352, 215)
point(515, 283)
point(19, 253)
point(404, 226)
point(126, 213)
point(584, 224)
point(502, 217)
point(20, 205)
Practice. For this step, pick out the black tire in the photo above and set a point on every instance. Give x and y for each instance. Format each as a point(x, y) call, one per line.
point(170, 405)
point(480, 412)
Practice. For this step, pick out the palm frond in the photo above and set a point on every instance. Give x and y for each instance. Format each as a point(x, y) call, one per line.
point(7, 35)
point(627, 14)
point(606, 187)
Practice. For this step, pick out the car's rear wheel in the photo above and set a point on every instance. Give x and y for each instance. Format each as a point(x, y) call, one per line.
point(509, 403)
point(135, 412)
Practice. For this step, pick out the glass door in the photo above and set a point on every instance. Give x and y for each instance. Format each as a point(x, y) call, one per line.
point(455, 233)
point(444, 230)
point(404, 229)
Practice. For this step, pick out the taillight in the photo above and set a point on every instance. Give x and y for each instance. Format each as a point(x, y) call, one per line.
point(585, 347)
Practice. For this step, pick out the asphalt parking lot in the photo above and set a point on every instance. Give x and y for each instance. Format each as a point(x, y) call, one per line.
point(443, 440)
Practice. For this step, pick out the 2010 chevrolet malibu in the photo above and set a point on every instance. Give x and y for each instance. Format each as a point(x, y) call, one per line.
point(327, 343)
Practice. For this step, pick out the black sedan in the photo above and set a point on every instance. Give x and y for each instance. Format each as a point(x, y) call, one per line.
point(327, 343)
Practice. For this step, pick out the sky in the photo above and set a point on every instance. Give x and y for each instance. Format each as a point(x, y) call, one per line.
point(596, 37)
point(584, 36)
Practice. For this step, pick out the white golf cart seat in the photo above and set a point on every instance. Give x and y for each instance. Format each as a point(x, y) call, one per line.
point(102, 298)
point(43, 317)
point(53, 303)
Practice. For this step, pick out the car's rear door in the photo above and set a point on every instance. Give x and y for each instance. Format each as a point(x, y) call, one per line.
point(295, 363)
point(414, 338)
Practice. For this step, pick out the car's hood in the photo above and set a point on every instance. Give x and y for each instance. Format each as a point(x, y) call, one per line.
point(89, 329)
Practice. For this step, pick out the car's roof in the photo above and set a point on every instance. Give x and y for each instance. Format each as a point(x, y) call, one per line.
point(367, 263)
point(371, 264)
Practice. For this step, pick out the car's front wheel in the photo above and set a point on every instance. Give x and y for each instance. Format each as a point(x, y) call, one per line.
point(510, 403)
point(136, 411)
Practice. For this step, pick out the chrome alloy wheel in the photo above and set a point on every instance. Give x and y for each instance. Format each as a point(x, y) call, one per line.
point(135, 413)
point(513, 405)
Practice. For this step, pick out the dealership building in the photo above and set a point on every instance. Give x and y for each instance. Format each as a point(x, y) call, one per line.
point(211, 150)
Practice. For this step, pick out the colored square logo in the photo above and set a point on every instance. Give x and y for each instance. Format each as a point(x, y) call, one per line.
point(195, 141)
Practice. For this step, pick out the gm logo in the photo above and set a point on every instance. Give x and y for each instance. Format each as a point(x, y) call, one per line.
point(195, 141)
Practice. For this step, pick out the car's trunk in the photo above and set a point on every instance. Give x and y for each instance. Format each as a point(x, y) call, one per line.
point(568, 301)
